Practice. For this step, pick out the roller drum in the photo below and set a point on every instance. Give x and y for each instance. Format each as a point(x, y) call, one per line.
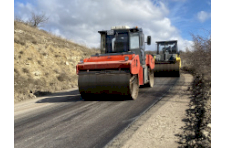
point(162, 67)
point(113, 84)
point(168, 69)
point(104, 83)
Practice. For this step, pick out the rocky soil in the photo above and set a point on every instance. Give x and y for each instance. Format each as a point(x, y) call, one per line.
point(44, 63)
point(197, 129)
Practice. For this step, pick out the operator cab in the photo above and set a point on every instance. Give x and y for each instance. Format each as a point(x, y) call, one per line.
point(122, 39)
point(166, 51)
point(167, 47)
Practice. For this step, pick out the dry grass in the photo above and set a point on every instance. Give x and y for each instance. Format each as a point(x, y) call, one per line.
point(43, 62)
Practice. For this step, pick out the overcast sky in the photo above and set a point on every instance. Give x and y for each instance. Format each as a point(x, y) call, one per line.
point(80, 20)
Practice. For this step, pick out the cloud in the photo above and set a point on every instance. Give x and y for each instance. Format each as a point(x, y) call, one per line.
point(203, 16)
point(80, 20)
point(24, 8)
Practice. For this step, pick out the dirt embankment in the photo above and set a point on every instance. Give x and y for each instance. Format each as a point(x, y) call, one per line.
point(44, 62)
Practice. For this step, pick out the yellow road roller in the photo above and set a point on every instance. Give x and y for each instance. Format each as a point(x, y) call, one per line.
point(167, 59)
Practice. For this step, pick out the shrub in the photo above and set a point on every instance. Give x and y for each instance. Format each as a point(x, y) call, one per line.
point(62, 77)
point(16, 71)
point(57, 55)
point(56, 71)
point(44, 54)
point(34, 42)
point(199, 59)
point(25, 70)
point(39, 62)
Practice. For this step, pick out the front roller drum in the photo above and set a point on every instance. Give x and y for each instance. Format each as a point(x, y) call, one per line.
point(172, 68)
point(116, 84)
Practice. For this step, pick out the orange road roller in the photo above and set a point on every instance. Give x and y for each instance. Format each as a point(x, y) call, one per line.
point(120, 68)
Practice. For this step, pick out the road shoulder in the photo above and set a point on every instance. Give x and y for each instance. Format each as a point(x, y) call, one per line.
point(160, 125)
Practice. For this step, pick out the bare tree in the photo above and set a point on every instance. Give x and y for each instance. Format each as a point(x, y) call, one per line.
point(37, 19)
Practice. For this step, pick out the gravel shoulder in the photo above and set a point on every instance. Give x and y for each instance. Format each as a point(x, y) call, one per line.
point(159, 126)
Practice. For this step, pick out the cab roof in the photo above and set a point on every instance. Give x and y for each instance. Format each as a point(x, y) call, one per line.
point(170, 41)
point(123, 30)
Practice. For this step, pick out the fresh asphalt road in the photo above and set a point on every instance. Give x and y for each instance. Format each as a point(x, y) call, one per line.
point(65, 120)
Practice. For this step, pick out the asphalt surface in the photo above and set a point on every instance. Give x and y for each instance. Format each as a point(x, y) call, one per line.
point(66, 120)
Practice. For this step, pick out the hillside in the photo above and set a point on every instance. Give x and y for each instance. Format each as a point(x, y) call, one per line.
point(43, 62)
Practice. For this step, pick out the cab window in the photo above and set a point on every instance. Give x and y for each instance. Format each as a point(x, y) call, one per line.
point(134, 41)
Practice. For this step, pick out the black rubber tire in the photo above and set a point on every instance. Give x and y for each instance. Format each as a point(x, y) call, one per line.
point(133, 87)
point(151, 79)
